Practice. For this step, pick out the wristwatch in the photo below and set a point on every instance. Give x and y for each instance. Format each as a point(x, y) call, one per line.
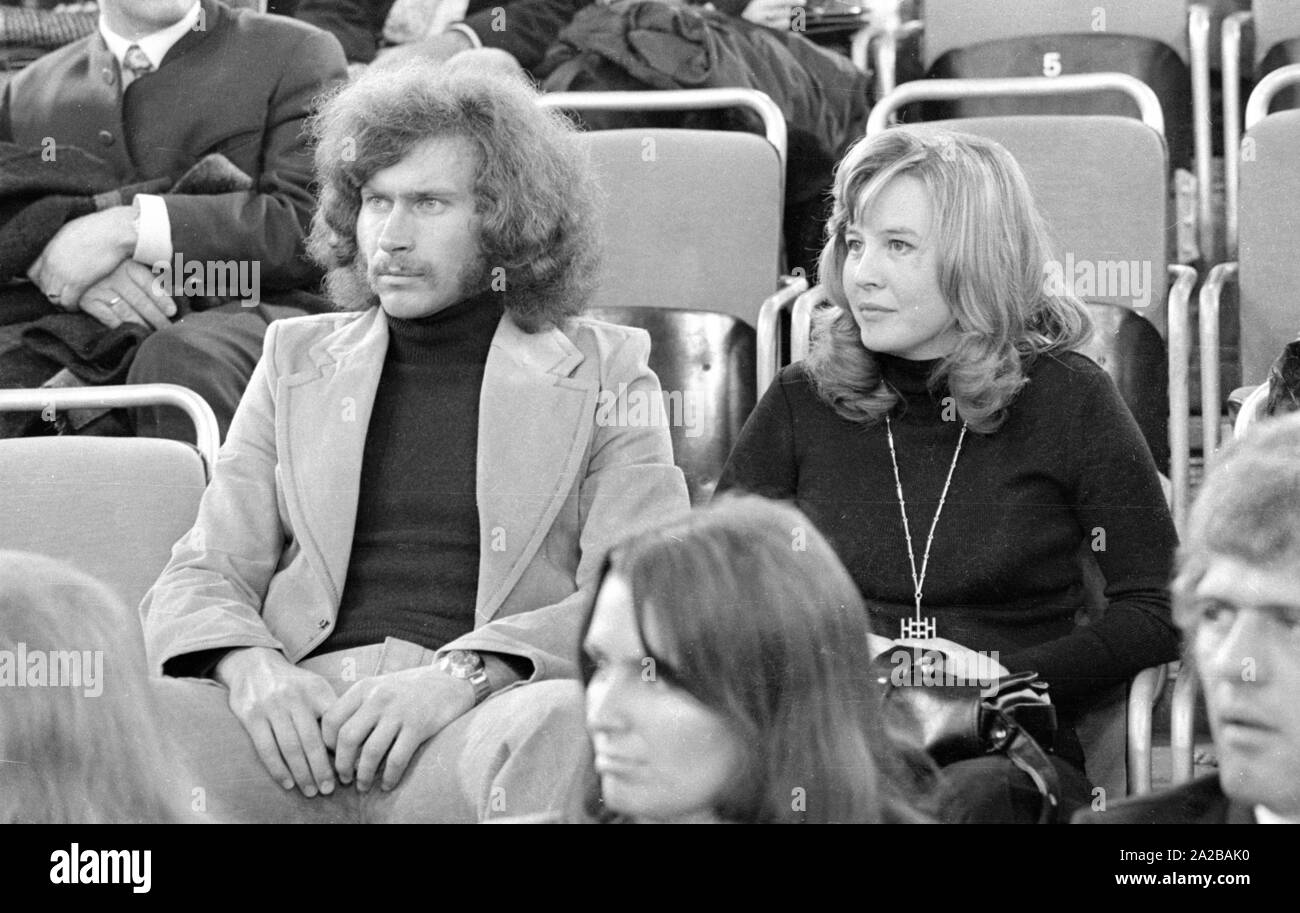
point(467, 665)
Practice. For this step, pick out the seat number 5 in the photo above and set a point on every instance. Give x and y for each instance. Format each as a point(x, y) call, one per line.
point(1052, 63)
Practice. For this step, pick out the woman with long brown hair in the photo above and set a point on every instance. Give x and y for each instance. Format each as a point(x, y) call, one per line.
point(727, 671)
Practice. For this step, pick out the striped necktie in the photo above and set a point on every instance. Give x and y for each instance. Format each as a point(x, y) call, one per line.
point(136, 63)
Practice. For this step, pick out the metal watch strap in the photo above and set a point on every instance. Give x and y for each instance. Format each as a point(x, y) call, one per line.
point(482, 687)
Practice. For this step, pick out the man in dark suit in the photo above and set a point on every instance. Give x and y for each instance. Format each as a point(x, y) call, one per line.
point(160, 85)
point(1237, 599)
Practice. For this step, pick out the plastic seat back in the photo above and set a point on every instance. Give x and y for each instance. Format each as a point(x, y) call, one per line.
point(112, 507)
point(705, 364)
point(1277, 43)
point(984, 38)
point(1099, 182)
point(954, 24)
point(1133, 354)
point(1269, 242)
point(691, 219)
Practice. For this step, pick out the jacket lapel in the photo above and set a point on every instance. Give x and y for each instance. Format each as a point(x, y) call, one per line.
point(533, 429)
point(104, 76)
point(321, 433)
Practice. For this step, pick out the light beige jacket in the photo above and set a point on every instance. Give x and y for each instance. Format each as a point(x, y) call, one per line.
point(267, 558)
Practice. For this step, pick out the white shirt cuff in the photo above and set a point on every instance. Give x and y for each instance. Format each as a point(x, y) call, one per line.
point(154, 239)
point(467, 32)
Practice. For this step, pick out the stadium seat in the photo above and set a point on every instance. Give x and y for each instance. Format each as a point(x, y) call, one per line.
point(705, 364)
point(1182, 723)
point(691, 218)
point(802, 300)
point(1131, 351)
point(1270, 33)
point(1163, 43)
point(1123, 717)
point(987, 39)
point(1272, 29)
point(1276, 34)
point(1267, 269)
point(112, 507)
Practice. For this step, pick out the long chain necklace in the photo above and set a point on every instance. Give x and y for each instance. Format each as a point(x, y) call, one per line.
point(918, 582)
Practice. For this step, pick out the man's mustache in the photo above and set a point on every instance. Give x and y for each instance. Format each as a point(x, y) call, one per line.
point(390, 266)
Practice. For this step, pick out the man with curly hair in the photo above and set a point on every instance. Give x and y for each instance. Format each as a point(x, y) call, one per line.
point(391, 565)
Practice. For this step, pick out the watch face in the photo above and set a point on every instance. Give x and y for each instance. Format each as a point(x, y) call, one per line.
point(462, 663)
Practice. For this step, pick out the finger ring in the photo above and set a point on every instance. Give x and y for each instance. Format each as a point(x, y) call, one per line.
point(114, 300)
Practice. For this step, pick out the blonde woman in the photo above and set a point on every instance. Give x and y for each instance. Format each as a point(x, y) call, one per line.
point(948, 440)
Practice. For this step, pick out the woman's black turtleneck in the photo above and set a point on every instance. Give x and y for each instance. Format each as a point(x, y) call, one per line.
point(413, 572)
point(1069, 466)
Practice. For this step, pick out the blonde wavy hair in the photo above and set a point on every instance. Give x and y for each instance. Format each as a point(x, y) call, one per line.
point(993, 250)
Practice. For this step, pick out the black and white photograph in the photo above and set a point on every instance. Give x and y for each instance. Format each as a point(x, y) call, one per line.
point(651, 411)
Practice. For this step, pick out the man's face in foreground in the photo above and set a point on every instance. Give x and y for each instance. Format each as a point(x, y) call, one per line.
point(1247, 650)
point(418, 231)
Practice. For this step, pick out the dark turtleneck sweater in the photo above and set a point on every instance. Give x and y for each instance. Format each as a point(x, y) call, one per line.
point(1068, 466)
point(413, 572)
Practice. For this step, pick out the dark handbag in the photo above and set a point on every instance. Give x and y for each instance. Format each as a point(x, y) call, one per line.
point(956, 720)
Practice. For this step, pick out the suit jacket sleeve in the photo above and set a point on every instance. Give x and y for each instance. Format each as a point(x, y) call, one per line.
point(630, 482)
point(211, 592)
point(268, 225)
